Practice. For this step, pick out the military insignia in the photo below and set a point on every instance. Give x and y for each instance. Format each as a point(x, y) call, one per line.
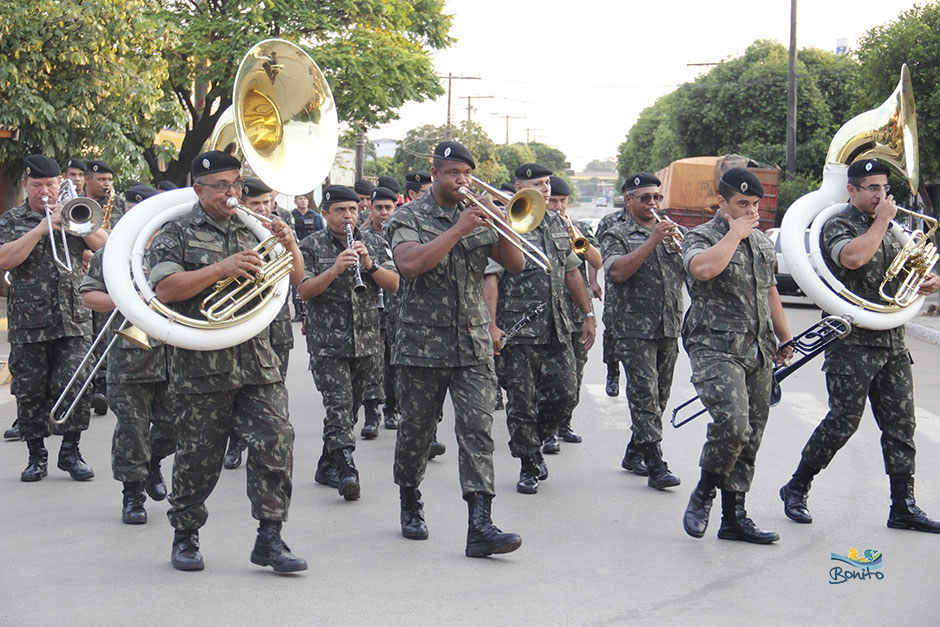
point(163, 241)
point(636, 181)
point(95, 167)
point(327, 195)
point(528, 172)
point(28, 170)
point(868, 167)
point(417, 178)
point(447, 152)
point(138, 197)
point(373, 194)
point(743, 186)
point(205, 163)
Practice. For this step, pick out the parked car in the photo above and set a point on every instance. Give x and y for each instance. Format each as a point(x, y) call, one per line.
point(600, 201)
point(619, 203)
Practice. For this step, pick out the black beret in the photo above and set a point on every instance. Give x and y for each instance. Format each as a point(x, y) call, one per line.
point(508, 187)
point(559, 186)
point(867, 167)
point(255, 187)
point(99, 167)
point(339, 193)
point(384, 193)
point(138, 192)
point(389, 183)
point(166, 186)
point(743, 181)
point(417, 178)
point(454, 151)
point(40, 167)
point(528, 171)
point(75, 163)
point(212, 162)
point(640, 179)
point(363, 187)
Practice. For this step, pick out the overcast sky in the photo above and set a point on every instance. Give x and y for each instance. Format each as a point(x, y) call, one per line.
point(580, 71)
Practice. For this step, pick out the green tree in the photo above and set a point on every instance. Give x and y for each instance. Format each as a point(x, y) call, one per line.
point(84, 78)
point(415, 150)
point(383, 166)
point(511, 156)
point(552, 158)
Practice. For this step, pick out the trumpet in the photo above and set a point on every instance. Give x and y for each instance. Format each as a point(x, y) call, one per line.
point(524, 212)
point(579, 243)
point(674, 239)
point(79, 216)
point(357, 271)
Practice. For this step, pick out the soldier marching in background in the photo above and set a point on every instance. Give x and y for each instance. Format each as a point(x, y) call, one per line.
point(75, 171)
point(364, 189)
point(613, 364)
point(306, 222)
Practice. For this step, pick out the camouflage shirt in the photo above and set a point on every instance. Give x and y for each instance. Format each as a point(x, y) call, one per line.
point(388, 302)
point(838, 231)
point(608, 221)
point(43, 302)
point(577, 318)
point(731, 312)
point(341, 322)
point(522, 292)
point(648, 305)
point(188, 243)
point(118, 209)
point(442, 322)
point(126, 362)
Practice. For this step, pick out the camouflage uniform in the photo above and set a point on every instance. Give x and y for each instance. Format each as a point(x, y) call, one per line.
point(730, 340)
point(605, 223)
point(382, 387)
point(537, 368)
point(99, 318)
point(237, 388)
point(48, 327)
point(867, 363)
point(577, 318)
point(139, 396)
point(342, 333)
point(644, 317)
point(443, 344)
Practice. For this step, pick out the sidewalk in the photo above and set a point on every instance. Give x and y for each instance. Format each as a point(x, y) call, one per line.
point(926, 325)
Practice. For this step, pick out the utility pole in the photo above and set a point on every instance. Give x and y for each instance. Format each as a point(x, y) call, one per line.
point(450, 85)
point(469, 107)
point(527, 134)
point(360, 152)
point(510, 117)
point(791, 97)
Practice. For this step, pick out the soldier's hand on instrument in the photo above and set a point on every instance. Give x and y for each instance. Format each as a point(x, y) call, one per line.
point(742, 227)
point(245, 264)
point(497, 335)
point(471, 218)
point(346, 259)
point(663, 229)
point(55, 216)
point(930, 285)
point(363, 252)
point(886, 210)
point(281, 231)
point(783, 355)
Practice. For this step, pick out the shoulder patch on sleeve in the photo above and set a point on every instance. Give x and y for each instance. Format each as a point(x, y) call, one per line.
point(164, 241)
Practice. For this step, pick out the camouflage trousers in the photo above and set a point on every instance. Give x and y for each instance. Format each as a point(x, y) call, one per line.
point(580, 360)
point(649, 365)
point(388, 378)
point(258, 414)
point(883, 376)
point(421, 393)
point(736, 392)
point(375, 386)
point(608, 342)
point(342, 382)
point(40, 372)
point(541, 392)
point(100, 383)
point(146, 413)
point(283, 354)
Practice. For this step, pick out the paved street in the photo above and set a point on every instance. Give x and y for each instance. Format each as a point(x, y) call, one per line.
point(599, 546)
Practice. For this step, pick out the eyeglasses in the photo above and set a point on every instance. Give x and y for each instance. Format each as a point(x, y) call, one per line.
point(874, 189)
point(222, 186)
point(644, 198)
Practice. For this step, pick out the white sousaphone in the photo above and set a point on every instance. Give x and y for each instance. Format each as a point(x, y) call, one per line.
point(889, 133)
point(285, 127)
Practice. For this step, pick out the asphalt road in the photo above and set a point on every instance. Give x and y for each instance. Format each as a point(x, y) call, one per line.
point(599, 546)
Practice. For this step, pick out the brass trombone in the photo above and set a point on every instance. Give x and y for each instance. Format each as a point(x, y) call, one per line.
point(79, 216)
point(525, 210)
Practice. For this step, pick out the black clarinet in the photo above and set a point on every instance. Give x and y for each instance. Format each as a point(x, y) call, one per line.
point(359, 286)
point(526, 319)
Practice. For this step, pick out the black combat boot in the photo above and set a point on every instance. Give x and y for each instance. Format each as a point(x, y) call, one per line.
point(904, 512)
point(298, 312)
point(795, 492)
point(133, 512)
point(529, 477)
point(413, 526)
point(613, 379)
point(186, 555)
point(499, 400)
point(437, 448)
point(271, 551)
point(659, 475)
point(38, 465)
point(70, 458)
point(370, 430)
point(551, 445)
point(156, 486)
point(391, 417)
point(233, 456)
point(633, 460)
point(13, 433)
point(326, 470)
point(566, 434)
point(542, 467)
point(346, 474)
point(483, 537)
point(99, 402)
point(735, 525)
point(695, 520)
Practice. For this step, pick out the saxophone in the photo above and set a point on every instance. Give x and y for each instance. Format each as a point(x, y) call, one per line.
point(106, 210)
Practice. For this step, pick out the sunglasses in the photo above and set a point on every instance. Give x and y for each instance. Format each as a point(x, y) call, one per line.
point(644, 198)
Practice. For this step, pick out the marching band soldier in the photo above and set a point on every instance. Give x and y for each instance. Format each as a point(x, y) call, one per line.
point(728, 333)
point(442, 344)
point(306, 222)
point(48, 326)
point(343, 329)
point(558, 203)
point(75, 172)
point(538, 368)
point(643, 312)
point(238, 387)
point(390, 183)
point(858, 248)
point(416, 183)
point(139, 396)
point(613, 365)
point(166, 186)
point(364, 189)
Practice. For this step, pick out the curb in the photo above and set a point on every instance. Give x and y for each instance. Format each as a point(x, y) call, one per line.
point(923, 332)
